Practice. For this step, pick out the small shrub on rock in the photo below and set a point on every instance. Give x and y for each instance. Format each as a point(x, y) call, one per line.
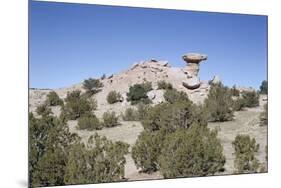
point(172, 95)
point(164, 85)
point(219, 103)
point(110, 119)
point(138, 93)
point(92, 85)
point(89, 122)
point(53, 99)
point(245, 150)
point(113, 97)
point(251, 98)
point(193, 152)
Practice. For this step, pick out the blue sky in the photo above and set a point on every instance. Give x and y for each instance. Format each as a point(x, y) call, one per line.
point(72, 42)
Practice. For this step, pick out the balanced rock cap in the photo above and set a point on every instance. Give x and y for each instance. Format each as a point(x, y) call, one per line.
point(194, 57)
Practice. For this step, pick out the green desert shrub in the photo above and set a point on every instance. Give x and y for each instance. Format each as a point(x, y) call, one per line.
point(53, 99)
point(239, 104)
point(172, 95)
point(193, 152)
point(251, 98)
point(113, 97)
point(102, 161)
point(147, 86)
point(130, 114)
point(43, 109)
point(92, 85)
point(110, 119)
point(245, 150)
point(164, 85)
point(264, 116)
point(147, 149)
point(138, 93)
point(171, 116)
point(219, 103)
point(76, 105)
point(264, 87)
point(142, 110)
point(89, 122)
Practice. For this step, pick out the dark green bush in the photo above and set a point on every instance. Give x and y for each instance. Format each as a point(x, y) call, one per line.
point(76, 105)
point(264, 116)
point(193, 152)
point(110, 119)
point(138, 93)
point(172, 95)
point(219, 103)
point(264, 87)
point(147, 150)
point(92, 85)
point(245, 150)
point(89, 122)
point(113, 97)
point(164, 85)
point(53, 99)
point(251, 98)
point(171, 116)
point(43, 109)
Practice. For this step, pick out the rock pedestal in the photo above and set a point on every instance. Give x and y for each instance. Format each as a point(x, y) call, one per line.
point(191, 70)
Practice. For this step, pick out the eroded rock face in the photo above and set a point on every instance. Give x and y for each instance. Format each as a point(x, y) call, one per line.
point(191, 70)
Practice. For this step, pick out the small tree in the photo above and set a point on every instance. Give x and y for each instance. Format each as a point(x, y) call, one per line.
point(172, 95)
point(113, 97)
point(164, 85)
point(76, 105)
point(110, 119)
point(89, 122)
point(138, 93)
point(264, 87)
point(251, 98)
point(53, 99)
point(219, 103)
point(92, 85)
point(193, 152)
point(245, 150)
point(147, 150)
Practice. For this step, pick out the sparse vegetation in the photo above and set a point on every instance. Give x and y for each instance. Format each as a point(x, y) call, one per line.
point(164, 85)
point(138, 93)
point(76, 105)
point(245, 150)
point(89, 122)
point(92, 85)
point(53, 99)
point(113, 97)
point(110, 119)
point(219, 103)
point(251, 98)
point(234, 91)
point(192, 152)
point(264, 87)
point(130, 114)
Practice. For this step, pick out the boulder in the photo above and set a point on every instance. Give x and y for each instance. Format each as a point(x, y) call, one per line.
point(151, 94)
point(191, 83)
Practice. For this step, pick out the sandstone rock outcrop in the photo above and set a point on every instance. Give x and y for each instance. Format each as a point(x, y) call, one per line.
point(191, 70)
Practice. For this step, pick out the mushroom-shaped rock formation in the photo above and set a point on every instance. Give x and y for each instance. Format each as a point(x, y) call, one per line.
point(191, 70)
